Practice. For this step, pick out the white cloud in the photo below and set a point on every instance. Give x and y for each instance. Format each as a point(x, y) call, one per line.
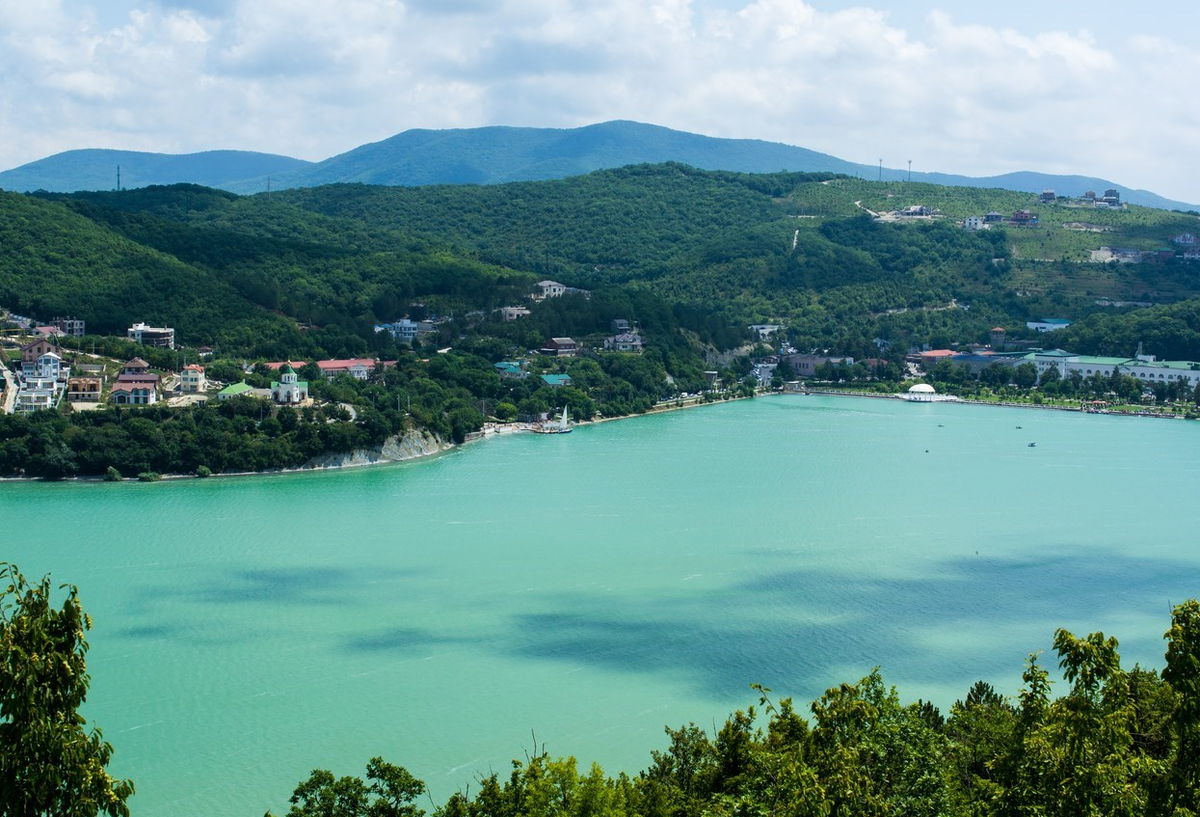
point(310, 78)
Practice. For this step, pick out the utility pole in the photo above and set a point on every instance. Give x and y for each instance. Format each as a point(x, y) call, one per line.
point(118, 178)
point(881, 169)
point(910, 170)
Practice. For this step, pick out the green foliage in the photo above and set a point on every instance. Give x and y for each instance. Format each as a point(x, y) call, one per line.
point(49, 762)
point(390, 792)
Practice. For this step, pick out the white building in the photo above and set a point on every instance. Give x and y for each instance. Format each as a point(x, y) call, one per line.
point(160, 336)
point(551, 289)
point(134, 394)
point(405, 330)
point(289, 389)
point(624, 342)
point(1144, 368)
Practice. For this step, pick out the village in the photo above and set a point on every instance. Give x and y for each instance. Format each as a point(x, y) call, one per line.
point(48, 376)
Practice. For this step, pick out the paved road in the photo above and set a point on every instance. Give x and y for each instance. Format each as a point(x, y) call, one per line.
point(10, 390)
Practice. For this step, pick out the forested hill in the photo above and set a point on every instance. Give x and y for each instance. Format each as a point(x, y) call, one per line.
point(792, 248)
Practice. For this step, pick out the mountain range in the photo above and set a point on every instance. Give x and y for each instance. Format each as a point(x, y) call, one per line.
point(498, 154)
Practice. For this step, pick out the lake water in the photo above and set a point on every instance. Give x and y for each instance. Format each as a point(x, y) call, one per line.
point(584, 590)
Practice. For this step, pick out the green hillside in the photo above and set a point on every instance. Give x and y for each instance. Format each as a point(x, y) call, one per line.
point(794, 248)
point(56, 260)
point(691, 257)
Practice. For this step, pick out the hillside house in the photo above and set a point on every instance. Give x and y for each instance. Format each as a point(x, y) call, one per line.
point(192, 380)
point(933, 357)
point(35, 395)
point(1023, 218)
point(360, 368)
point(556, 381)
point(134, 394)
point(162, 337)
point(70, 326)
point(84, 389)
point(235, 390)
point(560, 347)
point(971, 223)
point(511, 370)
point(30, 352)
point(511, 313)
point(406, 330)
point(48, 365)
point(550, 289)
point(624, 342)
point(137, 372)
point(135, 366)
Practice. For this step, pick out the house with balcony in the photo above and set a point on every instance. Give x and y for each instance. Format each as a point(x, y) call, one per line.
point(126, 393)
point(162, 337)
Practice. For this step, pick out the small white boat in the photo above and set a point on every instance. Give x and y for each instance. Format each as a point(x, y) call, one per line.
point(559, 427)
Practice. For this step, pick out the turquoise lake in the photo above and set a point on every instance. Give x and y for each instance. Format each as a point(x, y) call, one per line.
point(585, 590)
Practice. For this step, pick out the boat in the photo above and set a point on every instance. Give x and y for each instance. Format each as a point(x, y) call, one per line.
point(559, 427)
point(1033, 445)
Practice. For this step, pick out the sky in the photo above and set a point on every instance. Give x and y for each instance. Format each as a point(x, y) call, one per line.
point(1093, 87)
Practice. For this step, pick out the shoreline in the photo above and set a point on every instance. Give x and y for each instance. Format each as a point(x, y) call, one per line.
point(365, 458)
point(967, 402)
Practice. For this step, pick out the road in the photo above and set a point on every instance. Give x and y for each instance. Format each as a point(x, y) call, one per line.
point(10, 389)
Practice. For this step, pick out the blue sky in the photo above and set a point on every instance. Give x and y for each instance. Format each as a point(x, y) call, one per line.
point(1061, 86)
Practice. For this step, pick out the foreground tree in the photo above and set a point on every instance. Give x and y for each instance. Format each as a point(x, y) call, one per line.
point(49, 763)
point(390, 793)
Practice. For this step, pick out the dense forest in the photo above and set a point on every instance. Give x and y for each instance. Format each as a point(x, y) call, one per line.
point(257, 273)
